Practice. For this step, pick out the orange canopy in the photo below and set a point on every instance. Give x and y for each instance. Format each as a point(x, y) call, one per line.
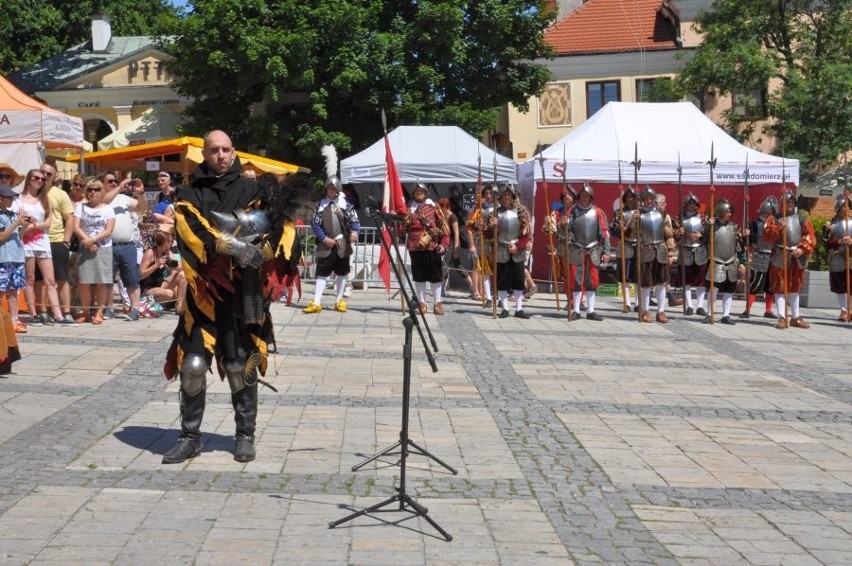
point(25, 120)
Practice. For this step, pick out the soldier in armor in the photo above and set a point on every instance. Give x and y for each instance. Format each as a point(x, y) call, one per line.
point(620, 221)
point(481, 244)
point(794, 230)
point(838, 237)
point(427, 241)
point(759, 265)
point(335, 224)
point(225, 231)
point(728, 249)
point(648, 228)
point(556, 223)
point(588, 246)
point(693, 255)
point(512, 226)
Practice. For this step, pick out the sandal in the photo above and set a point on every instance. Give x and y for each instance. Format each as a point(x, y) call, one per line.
point(475, 297)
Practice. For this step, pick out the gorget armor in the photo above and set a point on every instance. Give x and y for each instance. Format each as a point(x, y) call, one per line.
point(585, 227)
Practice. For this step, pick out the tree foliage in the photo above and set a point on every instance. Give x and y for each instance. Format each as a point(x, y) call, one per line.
point(803, 46)
point(324, 69)
point(34, 30)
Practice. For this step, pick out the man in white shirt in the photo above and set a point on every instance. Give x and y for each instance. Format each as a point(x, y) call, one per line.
point(124, 258)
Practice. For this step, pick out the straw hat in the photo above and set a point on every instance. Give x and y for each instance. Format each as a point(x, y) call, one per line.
point(16, 177)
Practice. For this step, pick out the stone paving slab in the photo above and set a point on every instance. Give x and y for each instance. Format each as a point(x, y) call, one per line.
point(575, 443)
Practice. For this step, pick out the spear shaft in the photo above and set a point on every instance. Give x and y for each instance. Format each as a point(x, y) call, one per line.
point(712, 260)
point(621, 244)
point(681, 257)
point(746, 200)
point(637, 164)
point(567, 213)
point(784, 241)
point(554, 270)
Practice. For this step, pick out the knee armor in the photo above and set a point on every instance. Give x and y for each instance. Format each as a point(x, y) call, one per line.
point(242, 373)
point(193, 374)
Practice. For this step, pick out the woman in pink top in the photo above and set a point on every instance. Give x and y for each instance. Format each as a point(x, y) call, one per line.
point(33, 204)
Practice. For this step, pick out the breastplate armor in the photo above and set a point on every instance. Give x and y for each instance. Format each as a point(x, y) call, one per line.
point(586, 227)
point(691, 225)
point(725, 243)
point(793, 229)
point(760, 243)
point(840, 228)
point(653, 230)
point(508, 225)
point(627, 218)
point(331, 224)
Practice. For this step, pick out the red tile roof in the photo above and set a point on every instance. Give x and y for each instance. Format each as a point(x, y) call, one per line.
point(607, 26)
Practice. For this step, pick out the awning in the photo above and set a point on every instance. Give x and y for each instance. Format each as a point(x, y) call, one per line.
point(145, 158)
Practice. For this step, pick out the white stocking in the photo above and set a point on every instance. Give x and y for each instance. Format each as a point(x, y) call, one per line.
point(486, 284)
point(780, 305)
point(646, 298)
point(519, 299)
point(727, 301)
point(340, 286)
point(661, 298)
point(438, 291)
point(687, 296)
point(577, 301)
point(590, 297)
point(420, 287)
point(504, 299)
point(794, 305)
point(701, 292)
point(319, 289)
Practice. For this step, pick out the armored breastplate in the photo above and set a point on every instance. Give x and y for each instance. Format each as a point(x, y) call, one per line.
point(841, 227)
point(627, 218)
point(691, 225)
point(652, 227)
point(725, 242)
point(487, 209)
point(793, 230)
point(760, 242)
point(331, 224)
point(585, 227)
point(508, 225)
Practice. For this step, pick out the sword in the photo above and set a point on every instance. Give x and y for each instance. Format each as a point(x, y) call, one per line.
point(637, 164)
point(712, 260)
point(682, 240)
point(553, 264)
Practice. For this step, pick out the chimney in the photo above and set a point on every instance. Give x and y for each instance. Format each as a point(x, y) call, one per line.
point(101, 33)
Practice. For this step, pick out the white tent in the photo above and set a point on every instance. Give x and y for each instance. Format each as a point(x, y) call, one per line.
point(28, 127)
point(663, 131)
point(154, 124)
point(430, 154)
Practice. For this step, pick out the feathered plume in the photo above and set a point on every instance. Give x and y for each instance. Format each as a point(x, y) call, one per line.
point(330, 155)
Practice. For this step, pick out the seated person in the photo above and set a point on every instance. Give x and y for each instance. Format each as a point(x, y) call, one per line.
point(162, 276)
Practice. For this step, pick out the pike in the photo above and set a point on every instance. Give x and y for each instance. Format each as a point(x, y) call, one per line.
point(784, 240)
point(481, 236)
point(683, 239)
point(494, 292)
point(554, 269)
point(712, 260)
point(568, 277)
point(746, 200)
point(637, 164)
point(846, 233)
point(622, 250)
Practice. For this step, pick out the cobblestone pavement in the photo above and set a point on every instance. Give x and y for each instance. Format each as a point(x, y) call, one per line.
point(587, 442)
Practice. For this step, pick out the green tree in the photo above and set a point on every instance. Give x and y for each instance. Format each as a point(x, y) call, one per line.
point(803, 46)
point(32, 31)
point(321, 70)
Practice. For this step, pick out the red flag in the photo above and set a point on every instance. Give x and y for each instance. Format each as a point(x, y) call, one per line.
point(393, 200)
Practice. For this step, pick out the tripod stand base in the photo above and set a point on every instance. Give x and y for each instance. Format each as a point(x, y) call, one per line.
point(413, 448)
point(406, 505)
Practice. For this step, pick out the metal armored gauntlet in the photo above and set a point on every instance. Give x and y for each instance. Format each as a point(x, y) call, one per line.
point(246, 254)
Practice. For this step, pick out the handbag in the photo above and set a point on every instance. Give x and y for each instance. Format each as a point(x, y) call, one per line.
point(74, 244)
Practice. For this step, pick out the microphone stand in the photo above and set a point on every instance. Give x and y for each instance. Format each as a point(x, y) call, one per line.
point(401, 500)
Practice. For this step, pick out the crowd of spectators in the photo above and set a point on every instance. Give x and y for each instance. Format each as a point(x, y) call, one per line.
point(86, 250)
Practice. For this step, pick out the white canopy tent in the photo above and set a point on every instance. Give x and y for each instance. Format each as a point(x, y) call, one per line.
point(28, 128)
point(596, 150)
point(154, 124)
point(429, 154)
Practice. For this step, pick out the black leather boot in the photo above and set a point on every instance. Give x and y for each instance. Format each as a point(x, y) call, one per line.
point(245, 415)
point(189, 444)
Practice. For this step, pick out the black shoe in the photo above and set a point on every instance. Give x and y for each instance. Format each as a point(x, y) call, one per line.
point(707, 319)
point(745, 314)
point(594, 316)
point(653, 303)
point(244, 450)
point(689, 311)
point(522, 314)
point(701, 312)
point(575, 315)
point(185, 449)
point(504, 314)
point(769, 315)
point(727, 320)
point(636, 308)
point(488, 303)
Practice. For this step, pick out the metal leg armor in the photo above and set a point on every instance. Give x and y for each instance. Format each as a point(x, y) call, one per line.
point(193, 381)
point(242, 378)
